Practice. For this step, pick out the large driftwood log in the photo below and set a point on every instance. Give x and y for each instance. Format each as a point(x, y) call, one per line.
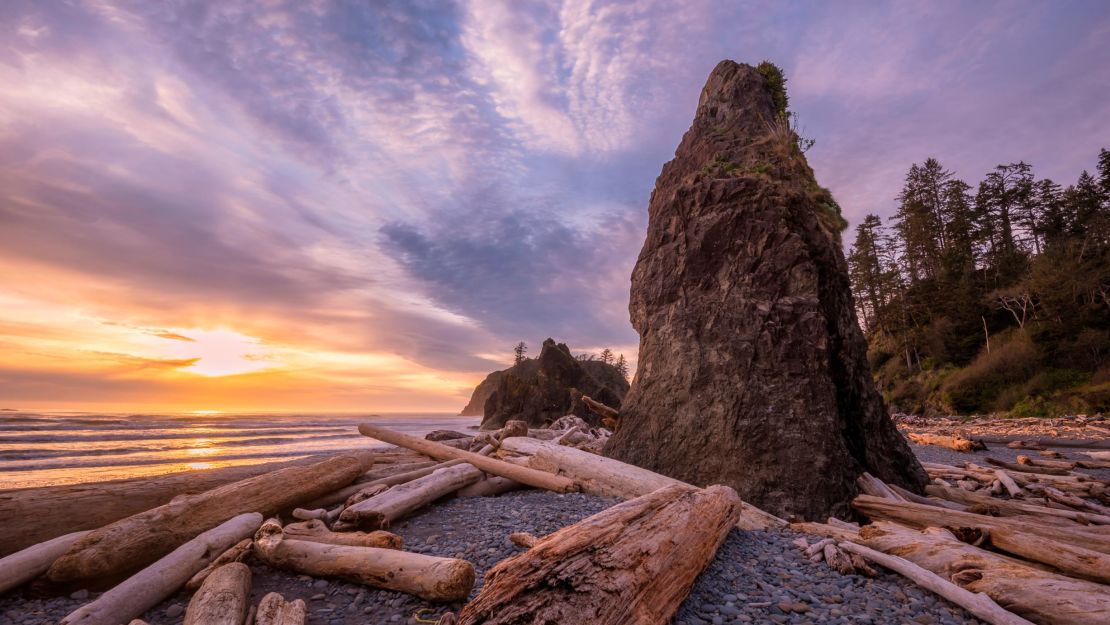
point(1038, 595)
point(1012, 507)
point(599, 475)
point(35, 515)
point(524, 475)
point(236, 554)
point(275, 610)
point(150, 586)
point(117, 550)
point(317, 532)
point(379, 511)
point(427, 577)
point(632, 563)
point(386, 480)
point(970, 525)
point(1021, 468)
point(24, 566)
point(955, 443)
point(979, 604)
point(490, 487)
point(223, 598)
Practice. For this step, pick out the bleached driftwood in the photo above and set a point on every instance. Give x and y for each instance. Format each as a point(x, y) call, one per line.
point(599, 475)
point(427, 577)
point(317, 532)
point(379, 511)
point(955, 443)
point(275, 610)
point(979, 604)
point(236, 554)
point(632, 563)
point(491, 486)
point(24, 566)
point(1033, 593)
point(223, 598)
point(524, 475)
point(522, 539)
point(115, 551)
point(1015, 508)
point(144, 590)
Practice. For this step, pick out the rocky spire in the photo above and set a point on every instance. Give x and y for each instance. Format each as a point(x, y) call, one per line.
point(752, 368)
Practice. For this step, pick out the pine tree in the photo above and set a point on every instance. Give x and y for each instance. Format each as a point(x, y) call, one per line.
point(607, 356)
point(622, 366)
point(518, 352)
point(866, 270)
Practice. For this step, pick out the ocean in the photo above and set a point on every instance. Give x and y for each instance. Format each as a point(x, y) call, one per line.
point(47, 448)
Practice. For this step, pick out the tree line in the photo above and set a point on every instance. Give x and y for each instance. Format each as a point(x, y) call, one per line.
point(607, 356)
point(989, 297)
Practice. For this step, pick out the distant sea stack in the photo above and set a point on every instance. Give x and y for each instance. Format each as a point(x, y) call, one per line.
point(540, 390)
point(477, 405)
point(752, 367)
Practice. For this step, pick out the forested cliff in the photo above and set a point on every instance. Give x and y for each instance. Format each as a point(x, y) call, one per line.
point(990, 298)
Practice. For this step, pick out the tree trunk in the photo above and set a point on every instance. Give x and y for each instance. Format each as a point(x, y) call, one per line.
point(490, 487)
point(317, 532)
point(633, 563)
point(236, 554)
point(524, 475)
point(35, 515)
point(275, 610)
point(113, 552)
point(752, 368)
point(381, 510)
point(24, 566)
point(223, 598)
point(427, 577)
point(147, 588)
point(1038, 595)
point(598, 475)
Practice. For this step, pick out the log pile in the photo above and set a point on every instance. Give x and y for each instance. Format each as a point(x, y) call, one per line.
point(1082, 431)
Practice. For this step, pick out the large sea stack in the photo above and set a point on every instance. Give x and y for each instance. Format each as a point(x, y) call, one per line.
point(752, 368)
point(540, 390)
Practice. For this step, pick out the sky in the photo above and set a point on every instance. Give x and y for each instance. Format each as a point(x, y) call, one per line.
point(362, 206)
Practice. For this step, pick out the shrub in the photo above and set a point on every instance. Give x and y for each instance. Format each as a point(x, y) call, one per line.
point(1012, 361)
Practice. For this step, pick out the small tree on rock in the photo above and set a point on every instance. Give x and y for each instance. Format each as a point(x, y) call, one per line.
point(622, 366)
point(607, 356)
point(519, 352)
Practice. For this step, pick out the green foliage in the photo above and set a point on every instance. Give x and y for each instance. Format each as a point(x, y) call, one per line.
point(776, 85)
point(1012, 360)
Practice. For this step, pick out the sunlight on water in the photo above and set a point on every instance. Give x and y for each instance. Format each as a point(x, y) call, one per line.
point(40, 449)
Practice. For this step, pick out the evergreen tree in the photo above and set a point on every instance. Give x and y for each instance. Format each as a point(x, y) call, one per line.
point(607, 356)
point(518, 352)
point(622, 366)
point(867, 272)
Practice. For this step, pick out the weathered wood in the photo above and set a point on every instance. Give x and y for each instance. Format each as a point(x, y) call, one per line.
point(427, 577)
point(969, 524)
point(275, 610)
point(490, 487)
point(392, 479)
point(1021, 468)
point(381, 510)
point(23, 566)
point(632, 563)
point(119, 549)
point(1038, 595)
point(142, 591)
point(955, 443)
point(236, 554)
point(600, 409)
point(315, 531)
point(824, 529)
point(599, 475)
point(979, 604)
point(1052, 464)
point(1008, 483)
point(522, 539)
point(35, 515)
point(877, 488)
point(1071, 559)
point(223, 598)
point(524, 475)
point(838, 560)
point(1014, 508)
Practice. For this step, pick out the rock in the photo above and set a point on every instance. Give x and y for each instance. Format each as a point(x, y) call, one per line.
point(752, 367)
point(540, 390)
point(80, 594)
point(175, 610)
point(477, 404)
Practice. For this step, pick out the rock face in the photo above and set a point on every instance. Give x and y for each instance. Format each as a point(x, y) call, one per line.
point(540, 390)
point(752, 367)
point(477, 404)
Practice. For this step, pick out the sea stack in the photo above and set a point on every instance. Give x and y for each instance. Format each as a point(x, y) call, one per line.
point(752, 367)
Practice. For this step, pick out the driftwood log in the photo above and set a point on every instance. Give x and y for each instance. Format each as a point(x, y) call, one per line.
point(490, 487)
point(524, 475)
point(317, 532)
point(427, 577)
point(117, 550)
point(35, 515)
point(599, 475)
point(1038, 595)
point(632, 563)
point(1013, 507)
point(236, 554)
point(144, 590)
point(23, 566)
point(379, 511)
point(275, 610)
point(223, 598)
point(955, 443)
